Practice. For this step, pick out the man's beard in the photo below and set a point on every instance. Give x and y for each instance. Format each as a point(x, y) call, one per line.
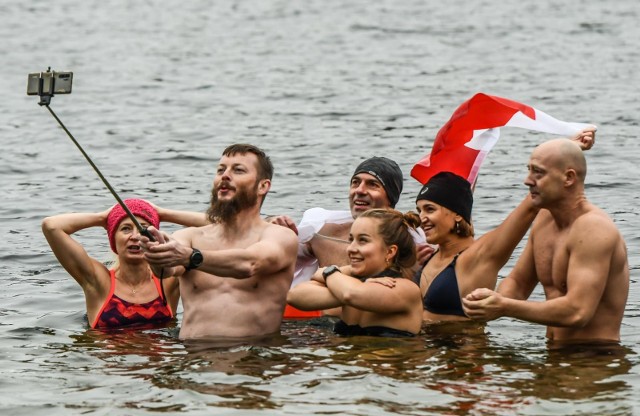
point(227, 210)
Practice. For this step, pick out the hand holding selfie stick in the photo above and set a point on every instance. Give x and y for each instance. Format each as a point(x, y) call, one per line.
point(45, 85)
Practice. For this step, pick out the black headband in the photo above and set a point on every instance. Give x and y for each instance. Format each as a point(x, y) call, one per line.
point(450, 191)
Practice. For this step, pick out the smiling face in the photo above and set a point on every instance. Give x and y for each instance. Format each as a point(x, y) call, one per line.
point(366, 192)
point(436, 221)
point(368, 253)
point(127, 239)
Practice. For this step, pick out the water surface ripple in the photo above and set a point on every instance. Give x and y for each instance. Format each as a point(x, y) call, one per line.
point(161, 87)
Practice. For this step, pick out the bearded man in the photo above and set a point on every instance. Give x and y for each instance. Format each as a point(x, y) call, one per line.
point(234, 273)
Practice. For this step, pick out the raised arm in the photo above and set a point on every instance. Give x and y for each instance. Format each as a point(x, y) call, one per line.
point(485, 304)
point(71, 254)
point(185, 218)
point(490, 253)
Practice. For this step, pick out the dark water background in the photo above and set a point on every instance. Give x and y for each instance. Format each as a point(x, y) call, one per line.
point(161, 87)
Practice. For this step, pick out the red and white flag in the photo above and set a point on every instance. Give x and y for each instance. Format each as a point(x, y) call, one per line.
point(474, 128)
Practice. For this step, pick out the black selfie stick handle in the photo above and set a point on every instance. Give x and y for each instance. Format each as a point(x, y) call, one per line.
point(142, 230)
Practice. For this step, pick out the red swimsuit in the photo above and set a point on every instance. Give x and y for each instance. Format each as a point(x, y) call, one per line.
point(118, 312)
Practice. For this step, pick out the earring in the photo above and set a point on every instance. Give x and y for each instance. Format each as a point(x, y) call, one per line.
point(457, 227)
point(387, 261)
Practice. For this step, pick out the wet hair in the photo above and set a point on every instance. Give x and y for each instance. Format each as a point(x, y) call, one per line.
point(393, 227)
point(264, 166)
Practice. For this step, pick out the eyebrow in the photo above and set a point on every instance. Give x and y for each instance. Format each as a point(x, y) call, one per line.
point(360, 235)
point(367, 180)
point(233, 165)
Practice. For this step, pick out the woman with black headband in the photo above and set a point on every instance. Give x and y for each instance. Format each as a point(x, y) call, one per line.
point(461, 263)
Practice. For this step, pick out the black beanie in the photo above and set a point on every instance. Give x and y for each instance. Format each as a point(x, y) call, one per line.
point(387, 172)
point(450, 191)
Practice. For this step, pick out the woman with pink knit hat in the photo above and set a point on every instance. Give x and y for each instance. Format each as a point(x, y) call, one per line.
point(128, 293)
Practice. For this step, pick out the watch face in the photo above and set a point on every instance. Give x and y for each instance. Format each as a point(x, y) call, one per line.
point(196, 258)
point(330, 270)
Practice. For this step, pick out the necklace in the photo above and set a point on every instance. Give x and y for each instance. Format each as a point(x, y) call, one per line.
point(326, 237)
point(134, 289)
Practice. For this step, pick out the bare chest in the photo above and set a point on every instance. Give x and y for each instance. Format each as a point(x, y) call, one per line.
point(330, 245)
point(551, 256)
point(219, 240)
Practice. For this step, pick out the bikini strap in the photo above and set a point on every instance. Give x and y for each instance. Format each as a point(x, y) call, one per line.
point(453, 262)
point(429, 259)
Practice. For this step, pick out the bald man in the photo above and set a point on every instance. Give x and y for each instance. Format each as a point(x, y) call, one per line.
point(574, 251)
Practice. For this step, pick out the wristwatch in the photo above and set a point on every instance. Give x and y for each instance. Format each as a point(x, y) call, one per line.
point(329, 270)
point(195, 260)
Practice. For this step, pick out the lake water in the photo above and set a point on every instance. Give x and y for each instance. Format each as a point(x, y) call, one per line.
point(161, 87)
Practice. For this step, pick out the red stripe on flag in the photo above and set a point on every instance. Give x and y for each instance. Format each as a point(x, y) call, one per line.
point(449, 152)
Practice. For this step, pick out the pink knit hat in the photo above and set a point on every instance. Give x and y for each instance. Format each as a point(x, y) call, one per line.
point(139, 208)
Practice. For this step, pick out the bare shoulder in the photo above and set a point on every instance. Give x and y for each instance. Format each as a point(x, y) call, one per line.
point(279, 233)
point(595, 219)
point(594, 229)
point(408, 285)
point(188, 234)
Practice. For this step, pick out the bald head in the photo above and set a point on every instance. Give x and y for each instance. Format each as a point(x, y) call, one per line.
point(563, 154)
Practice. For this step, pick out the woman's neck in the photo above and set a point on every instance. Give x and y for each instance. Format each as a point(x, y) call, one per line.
point(454, 246)
point(133, 273)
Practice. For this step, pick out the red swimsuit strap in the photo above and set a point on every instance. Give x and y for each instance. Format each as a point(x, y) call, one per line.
point(159, 289)
point(112, 289)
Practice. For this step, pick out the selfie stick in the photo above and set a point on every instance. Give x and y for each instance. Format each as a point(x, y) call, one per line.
point(141, 229)
point(45, 99)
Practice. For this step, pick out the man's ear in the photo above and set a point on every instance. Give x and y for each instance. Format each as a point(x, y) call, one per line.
point(263, 186)
point(570, 177)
